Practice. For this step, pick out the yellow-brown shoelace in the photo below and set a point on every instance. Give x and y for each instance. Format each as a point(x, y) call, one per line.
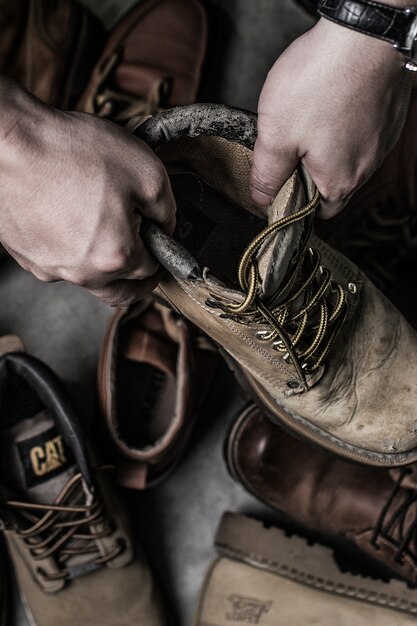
point(304, 332)
point(65, 529)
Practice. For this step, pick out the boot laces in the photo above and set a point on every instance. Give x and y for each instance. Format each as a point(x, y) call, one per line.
point(311, 306)
point(66, 528)
point(392, 524)
point(121, 107)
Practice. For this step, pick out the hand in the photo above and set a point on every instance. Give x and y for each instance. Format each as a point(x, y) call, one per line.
point(73, 188)
point(336, 100)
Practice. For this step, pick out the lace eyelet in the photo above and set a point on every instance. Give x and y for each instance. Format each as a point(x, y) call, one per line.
point(293, 384)
point(352, 287)
point(41, 572)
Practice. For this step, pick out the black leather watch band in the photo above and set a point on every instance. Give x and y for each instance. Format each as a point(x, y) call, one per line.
point(372, 18)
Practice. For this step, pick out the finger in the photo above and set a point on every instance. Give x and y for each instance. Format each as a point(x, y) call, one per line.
point(142, 263)
point(271, 168)
point(125, 292)
point(330, 208)
point(152, 193)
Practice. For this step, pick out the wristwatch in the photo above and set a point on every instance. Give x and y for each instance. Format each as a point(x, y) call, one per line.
point(393, 24)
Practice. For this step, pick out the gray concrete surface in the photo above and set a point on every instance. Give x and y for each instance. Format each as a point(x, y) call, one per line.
point(64, 326)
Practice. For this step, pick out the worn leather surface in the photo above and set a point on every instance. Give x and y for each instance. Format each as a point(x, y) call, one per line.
point(369, 374)
point(49, 47)
point(262, 576)
point(151, 335)
point(373, 18)
point(329, 496)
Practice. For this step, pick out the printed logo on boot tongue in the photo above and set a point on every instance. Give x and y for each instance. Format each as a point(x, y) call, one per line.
point(44, 456)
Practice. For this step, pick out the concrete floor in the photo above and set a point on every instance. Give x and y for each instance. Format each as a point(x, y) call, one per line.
point(64, 326)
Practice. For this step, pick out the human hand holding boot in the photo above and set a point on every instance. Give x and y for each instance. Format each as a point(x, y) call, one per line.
point(73, 189)
point(336, 100)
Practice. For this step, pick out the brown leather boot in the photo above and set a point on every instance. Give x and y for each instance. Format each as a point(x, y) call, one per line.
point(154, 375)
point(49, 48)
point(310, 337)
point(66, 532)
point(152, 60)
point(346, 505)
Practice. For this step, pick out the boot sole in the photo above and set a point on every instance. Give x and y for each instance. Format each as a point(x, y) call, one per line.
point(266, 547)
point(300, 427)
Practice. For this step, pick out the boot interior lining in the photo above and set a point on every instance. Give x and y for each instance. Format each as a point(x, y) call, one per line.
point(215, 230)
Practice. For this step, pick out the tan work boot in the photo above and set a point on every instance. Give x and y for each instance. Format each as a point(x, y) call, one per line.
point(314, 342)
point(66, 533)
point(154, 375)
point(264, 577)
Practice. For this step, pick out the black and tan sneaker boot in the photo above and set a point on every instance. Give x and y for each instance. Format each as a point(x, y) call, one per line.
point(66, 533)
point(310, 337)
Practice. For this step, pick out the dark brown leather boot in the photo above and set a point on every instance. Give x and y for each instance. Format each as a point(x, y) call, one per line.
point(372, 509)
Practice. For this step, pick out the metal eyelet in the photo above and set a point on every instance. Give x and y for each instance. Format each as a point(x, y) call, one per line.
point(352, 287)
point(293, 384)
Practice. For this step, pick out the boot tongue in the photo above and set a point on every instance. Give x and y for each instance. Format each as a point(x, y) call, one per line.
point(278, 252)
point(35, 460)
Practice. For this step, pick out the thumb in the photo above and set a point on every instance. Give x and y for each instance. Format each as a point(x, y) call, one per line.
point(270, 169)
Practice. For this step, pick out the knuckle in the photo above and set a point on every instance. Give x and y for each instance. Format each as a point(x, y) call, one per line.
point(112, 262)
point(155, 189)
point(44, 276)
point(115, 299)
point(336, 192)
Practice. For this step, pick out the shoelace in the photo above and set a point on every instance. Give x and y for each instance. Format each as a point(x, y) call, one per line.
point(294, 328)
point(384, 240)
point(122, 107)
point(63, 530)
point(387, 525)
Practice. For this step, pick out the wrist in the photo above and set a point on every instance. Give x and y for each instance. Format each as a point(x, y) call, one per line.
point(23, 121)
point(357, 49)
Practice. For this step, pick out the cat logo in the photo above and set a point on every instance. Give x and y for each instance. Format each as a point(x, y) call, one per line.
point(48, 457)
point(247, 610)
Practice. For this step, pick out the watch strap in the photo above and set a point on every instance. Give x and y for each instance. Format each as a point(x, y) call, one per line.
point(371, 18)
